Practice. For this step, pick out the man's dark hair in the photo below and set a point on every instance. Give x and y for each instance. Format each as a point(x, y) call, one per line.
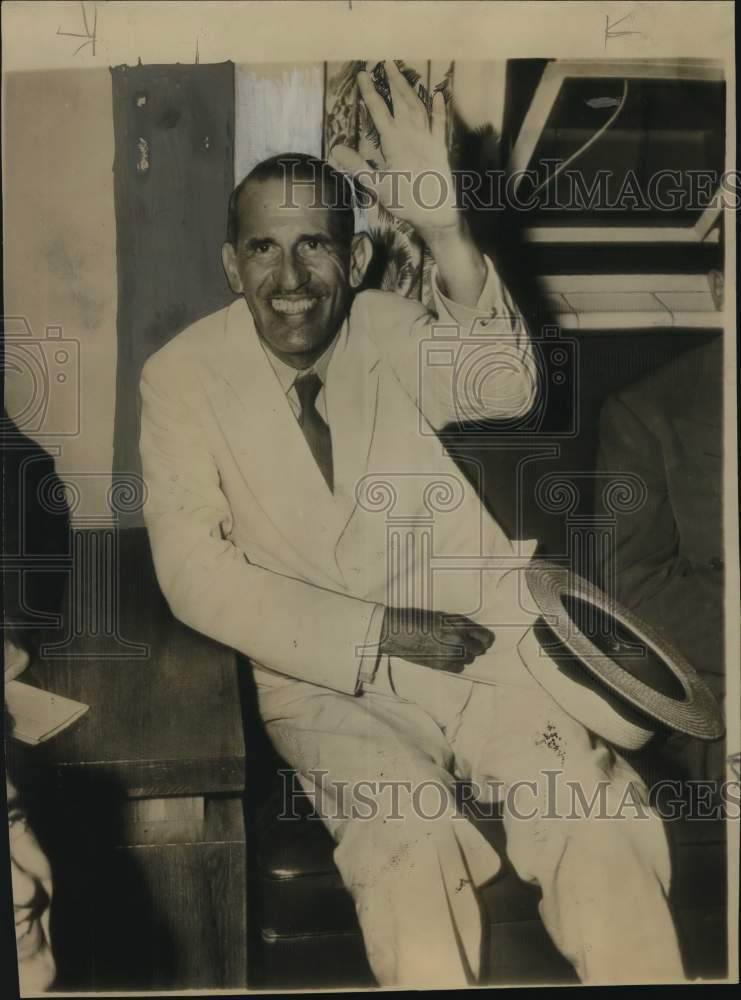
point(333, 189)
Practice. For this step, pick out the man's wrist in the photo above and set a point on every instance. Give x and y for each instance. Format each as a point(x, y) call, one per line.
point(441, 238)
point(461, 268)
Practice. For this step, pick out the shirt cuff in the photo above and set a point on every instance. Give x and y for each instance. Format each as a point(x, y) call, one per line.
point(371, 654)
point(494, 309)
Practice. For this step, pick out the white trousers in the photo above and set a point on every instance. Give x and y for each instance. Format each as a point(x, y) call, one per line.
point(382, 768)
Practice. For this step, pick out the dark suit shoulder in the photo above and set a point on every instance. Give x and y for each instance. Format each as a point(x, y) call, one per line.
point(689, 385)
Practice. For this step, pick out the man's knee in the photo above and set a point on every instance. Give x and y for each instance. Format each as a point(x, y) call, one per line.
point(393, 841)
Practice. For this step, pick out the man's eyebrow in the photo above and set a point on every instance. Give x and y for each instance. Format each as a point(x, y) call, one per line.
point(256, 241)
point(319, 237)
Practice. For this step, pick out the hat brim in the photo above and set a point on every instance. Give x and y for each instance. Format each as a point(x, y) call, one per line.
point(581, 695)
point(621, 653)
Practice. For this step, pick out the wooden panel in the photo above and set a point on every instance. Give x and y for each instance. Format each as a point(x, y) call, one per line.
point(166, 724)
point(173, 174)
point(332, 961)
point(199, 889)
point(149, 893)
point(134, 909)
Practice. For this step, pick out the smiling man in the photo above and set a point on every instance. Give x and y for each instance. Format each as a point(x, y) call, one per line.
point(295, 281)
point(302, 510)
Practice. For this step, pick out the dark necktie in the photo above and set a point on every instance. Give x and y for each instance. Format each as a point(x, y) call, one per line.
point(315, 429)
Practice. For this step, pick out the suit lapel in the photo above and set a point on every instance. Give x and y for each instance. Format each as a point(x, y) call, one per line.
point(352, 401)
point(270, 448)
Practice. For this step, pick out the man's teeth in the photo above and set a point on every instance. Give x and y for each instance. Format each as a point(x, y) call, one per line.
point(293, 306)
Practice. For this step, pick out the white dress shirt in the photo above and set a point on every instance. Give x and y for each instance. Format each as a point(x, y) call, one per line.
point(287, 376)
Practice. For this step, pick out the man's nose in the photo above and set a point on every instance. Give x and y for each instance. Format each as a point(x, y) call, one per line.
point(293, 274)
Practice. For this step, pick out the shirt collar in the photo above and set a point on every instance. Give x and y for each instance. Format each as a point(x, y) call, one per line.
point(288, 375)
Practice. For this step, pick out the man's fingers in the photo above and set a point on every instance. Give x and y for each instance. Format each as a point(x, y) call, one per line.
point(437, 639)
point(470, 626)
point(487, 636)
point(403, 95)
point(373, 101)
point(476, 638)
point(347, 159)
point(475, 642)
point(351, 162)
point(452, 664)
point(439, 116)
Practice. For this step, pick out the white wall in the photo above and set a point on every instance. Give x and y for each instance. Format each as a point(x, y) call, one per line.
point(60, 269)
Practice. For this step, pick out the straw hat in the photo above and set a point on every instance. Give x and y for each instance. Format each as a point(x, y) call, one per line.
point(607, 668)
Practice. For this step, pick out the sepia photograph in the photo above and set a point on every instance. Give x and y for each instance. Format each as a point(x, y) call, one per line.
point(370, 559)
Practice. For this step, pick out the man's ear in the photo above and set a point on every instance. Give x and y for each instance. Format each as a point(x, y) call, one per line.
point(229, 260)
point(361, 252)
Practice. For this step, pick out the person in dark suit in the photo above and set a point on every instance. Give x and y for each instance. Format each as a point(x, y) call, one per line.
point(667, 560)
point(36, 530)
point(35, 535)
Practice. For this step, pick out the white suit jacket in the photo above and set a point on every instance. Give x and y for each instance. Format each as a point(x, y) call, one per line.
point(250, 546)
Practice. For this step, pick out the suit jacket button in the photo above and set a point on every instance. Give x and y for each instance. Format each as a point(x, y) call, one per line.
point(716, 562)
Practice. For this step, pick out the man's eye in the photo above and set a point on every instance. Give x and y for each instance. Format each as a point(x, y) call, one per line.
point(311, 245)
point(259, 248)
